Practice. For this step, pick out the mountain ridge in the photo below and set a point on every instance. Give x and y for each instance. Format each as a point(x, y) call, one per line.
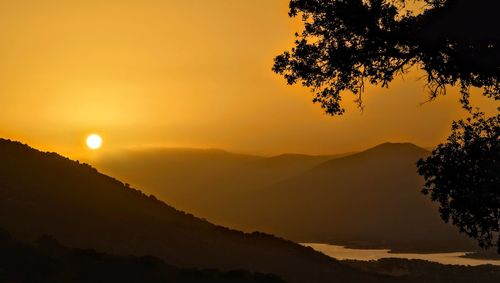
point(270, 194)
point(45, 193)
point(377, 188)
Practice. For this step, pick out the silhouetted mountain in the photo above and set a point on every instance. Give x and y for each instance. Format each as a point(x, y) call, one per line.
point(49, 261)
point(366, 199)
point(45, 193)
point(371, 198)
point(202, 181)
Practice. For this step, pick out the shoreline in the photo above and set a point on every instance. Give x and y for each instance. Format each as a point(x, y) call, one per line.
point(342, 252)
point(401, 249)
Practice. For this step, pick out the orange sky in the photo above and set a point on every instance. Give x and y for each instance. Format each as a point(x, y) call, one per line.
point(184, 74)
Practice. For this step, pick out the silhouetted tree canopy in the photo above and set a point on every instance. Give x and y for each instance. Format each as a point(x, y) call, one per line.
point(346, 43)
point(463, 175)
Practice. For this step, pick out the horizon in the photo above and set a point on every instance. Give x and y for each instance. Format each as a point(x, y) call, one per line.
point(139, 79)
point(160, 148)
point(139, 149)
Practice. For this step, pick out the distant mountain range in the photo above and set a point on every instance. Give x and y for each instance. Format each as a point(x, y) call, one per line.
point(47, 194)
point(199, 180)
point(365, 199)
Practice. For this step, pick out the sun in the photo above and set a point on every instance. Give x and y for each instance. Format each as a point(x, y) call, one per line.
point(94, 141)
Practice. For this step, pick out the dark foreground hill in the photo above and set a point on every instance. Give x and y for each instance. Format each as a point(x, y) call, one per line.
point(49, 261)
point(45, 193)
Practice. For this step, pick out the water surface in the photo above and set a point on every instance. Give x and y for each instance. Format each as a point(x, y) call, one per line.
point(340, 252)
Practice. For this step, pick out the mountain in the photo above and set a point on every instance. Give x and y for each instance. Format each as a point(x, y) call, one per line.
point(48, 261)
point(365, 199)
point(371, 198)
point(202, 181)
point(47, 194)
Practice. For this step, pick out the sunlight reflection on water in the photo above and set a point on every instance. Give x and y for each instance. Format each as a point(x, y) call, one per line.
point(340, 252)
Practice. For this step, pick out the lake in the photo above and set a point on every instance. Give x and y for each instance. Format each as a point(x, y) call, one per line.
point(340, 252)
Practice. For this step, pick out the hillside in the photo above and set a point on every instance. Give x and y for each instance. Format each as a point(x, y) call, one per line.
point(49, 261)
point(45, 193)
point(366, 199)
point(202, 181)
point(371, 198)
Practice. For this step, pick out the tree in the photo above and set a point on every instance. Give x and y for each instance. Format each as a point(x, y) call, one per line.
point(463, 175)
point(347, 43)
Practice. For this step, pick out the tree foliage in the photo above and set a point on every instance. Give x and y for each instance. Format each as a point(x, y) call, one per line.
point(463, 175)
point(346, 43)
